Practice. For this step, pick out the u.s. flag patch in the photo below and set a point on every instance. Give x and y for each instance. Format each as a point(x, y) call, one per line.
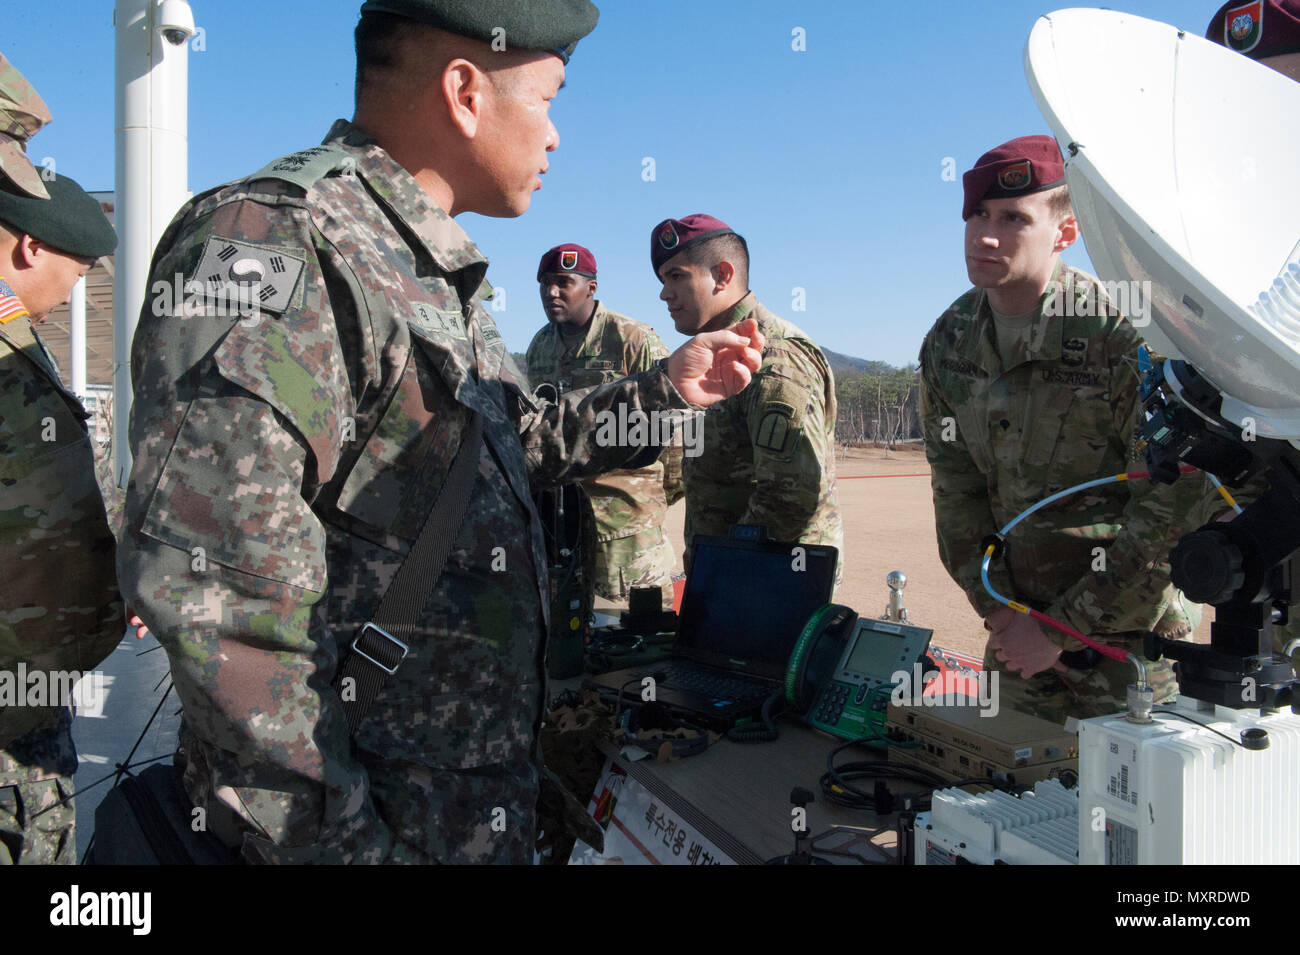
point(11, 305)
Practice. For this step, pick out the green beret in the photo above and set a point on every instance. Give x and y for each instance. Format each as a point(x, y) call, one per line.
point(70, 220)
point(554, 25)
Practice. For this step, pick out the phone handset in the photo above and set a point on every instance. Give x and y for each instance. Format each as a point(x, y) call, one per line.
point(816, 653)
point(812, 662)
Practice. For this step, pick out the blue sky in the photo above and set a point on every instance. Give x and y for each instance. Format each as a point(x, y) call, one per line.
point(828, 160)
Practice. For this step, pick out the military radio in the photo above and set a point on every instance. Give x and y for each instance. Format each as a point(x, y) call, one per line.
point(568, 528)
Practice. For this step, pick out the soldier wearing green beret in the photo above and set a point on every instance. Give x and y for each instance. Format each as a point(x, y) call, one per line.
point(289, 447)
point(61, 613)
point(1029, 386)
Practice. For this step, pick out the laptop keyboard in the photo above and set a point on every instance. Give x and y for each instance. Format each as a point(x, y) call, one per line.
point(715, 684)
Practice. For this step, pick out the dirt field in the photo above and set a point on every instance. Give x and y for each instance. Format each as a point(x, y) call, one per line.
point(889, 525)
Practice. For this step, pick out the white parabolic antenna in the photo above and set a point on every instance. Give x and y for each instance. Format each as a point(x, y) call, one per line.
point(1183, 161)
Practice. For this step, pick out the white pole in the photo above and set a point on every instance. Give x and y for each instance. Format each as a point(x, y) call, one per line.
point(77, 338)
point(152, 67)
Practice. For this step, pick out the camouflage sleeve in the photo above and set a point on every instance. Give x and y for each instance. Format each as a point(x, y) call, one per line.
point(1124, 589)
point(536, 371)
point(787, 425)
point(671, 456)
point(593, 430)
point(235, 425)
point(962, 518)
point(59, 605)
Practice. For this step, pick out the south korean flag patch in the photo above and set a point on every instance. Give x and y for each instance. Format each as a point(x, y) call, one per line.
point(244, 276)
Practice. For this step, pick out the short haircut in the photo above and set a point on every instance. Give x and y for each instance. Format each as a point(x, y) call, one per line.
point(377, 39)
point(1058, 202)
point(385, 43)
point(722, 248)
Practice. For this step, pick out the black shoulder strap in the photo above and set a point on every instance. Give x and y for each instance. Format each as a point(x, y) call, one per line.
point(380, 645)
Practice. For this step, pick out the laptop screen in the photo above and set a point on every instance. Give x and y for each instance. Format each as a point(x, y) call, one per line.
point(746, 603)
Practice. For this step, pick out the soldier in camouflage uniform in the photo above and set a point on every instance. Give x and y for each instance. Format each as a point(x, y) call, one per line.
point(768, 454)
point(286, 458)
point(586, 344)
point(1029, 386)
point(61, 611)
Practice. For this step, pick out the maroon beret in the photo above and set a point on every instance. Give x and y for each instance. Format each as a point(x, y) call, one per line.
point(1257, 28)
point(567, 257)
point(1016, 168)
point(677, 235)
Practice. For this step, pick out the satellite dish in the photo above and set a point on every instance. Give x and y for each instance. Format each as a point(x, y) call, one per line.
point(1182, 159)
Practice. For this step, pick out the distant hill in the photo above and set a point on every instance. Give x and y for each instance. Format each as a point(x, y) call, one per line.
point(840, 364)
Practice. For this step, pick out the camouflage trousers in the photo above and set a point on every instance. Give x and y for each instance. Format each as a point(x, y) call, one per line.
point(1101, 690)
point(642, 560)
point(35, 774)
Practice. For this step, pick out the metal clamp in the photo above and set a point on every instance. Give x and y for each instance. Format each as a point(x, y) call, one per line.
point(356, 645)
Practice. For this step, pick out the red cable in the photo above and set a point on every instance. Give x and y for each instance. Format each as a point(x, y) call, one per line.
point(1115, 653)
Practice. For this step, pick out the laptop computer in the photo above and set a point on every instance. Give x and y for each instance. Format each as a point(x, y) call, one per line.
point(744, 606)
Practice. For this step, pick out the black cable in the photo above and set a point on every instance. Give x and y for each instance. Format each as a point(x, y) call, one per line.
point(838, 790)
point(765, 732)
point(1184, 716)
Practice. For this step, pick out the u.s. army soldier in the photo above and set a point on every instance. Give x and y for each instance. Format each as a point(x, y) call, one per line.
point(767, 455)
point(585, 344)
point(60, 614)
point(1029, 386)
point(287, 454)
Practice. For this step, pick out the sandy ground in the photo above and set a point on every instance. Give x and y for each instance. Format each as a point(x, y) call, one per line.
point(889, 525)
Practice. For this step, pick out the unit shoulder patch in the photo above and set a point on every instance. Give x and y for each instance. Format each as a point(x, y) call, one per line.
point(776, 429)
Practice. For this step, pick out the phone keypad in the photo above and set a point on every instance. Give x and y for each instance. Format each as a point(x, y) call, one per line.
point(832, 704)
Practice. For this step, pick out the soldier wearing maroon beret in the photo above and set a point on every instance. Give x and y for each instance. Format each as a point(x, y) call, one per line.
point(1029, 387)
point(767, 454)
point(1264, 30)
point(585, 344)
